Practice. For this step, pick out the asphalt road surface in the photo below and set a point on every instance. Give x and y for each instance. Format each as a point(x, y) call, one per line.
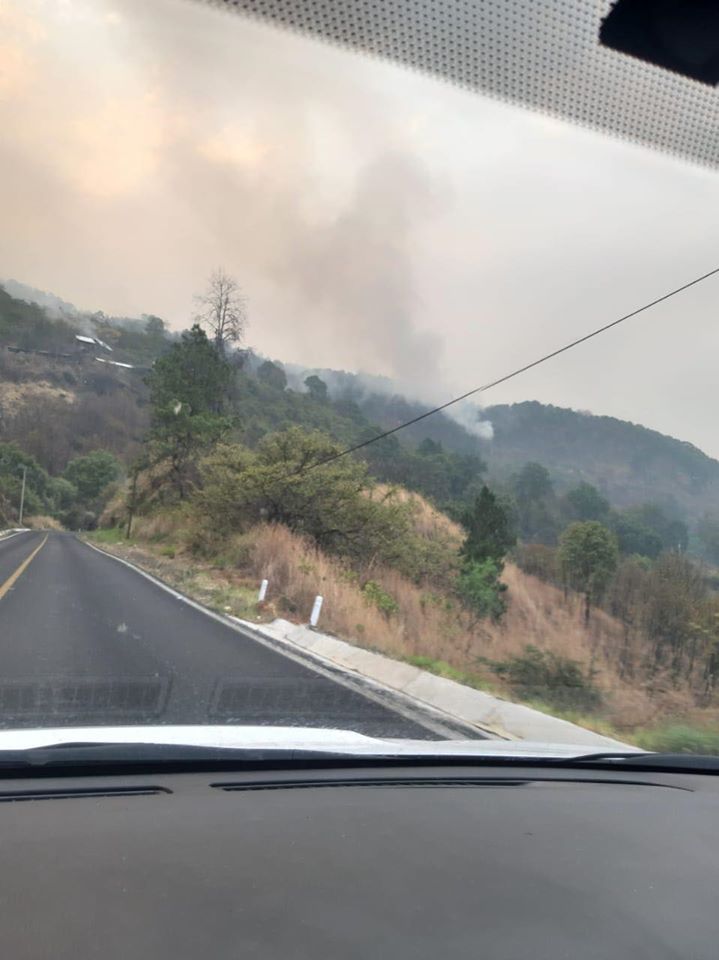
point(84, 639)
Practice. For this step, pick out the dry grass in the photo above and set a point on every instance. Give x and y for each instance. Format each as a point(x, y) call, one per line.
point(297, 572)
point(43, 523)
point(422, 622)
point(428, 522)
point(14, 395)
point(435, 627)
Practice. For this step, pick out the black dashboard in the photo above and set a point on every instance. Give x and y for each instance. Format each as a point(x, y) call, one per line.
point(421, 862)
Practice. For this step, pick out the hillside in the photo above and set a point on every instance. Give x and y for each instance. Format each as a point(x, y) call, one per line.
point(628, 463)
point(92, 402)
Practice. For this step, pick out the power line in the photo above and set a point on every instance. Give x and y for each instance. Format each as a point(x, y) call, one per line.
point(510, 376)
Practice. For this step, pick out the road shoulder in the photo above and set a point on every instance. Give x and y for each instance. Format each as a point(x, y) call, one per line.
point(486, 714)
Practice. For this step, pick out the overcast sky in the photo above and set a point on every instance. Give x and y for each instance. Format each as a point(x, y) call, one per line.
point(377, 219)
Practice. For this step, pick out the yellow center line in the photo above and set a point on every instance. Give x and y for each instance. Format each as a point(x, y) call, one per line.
point(21, 569)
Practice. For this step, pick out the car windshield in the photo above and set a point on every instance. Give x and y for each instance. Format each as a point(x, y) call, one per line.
point(289, 438)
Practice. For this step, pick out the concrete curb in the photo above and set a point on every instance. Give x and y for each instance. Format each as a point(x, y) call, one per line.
point(482, 710)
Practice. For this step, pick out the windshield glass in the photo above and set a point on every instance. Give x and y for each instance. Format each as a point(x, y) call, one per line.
point(240, 267)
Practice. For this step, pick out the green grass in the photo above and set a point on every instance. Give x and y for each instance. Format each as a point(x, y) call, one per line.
point(239, 601)
point(443, 669)
point(679, 738)
point(669, 738)
point(108, 535)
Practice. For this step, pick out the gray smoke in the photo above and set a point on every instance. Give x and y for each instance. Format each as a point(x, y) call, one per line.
point(315, 202)
point(361, 386)
point(468, 414)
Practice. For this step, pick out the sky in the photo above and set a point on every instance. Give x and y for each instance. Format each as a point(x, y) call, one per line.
point(378, 220)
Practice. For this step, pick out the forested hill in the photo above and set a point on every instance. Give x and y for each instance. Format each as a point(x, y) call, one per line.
point(628, 463)
point(57, 407)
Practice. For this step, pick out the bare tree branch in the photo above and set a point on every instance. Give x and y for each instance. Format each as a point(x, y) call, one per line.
point(222, 309)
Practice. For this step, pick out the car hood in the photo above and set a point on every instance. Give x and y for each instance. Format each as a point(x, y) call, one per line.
point(285, 738)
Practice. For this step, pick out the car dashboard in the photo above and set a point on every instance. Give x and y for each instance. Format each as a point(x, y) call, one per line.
point(333, 860)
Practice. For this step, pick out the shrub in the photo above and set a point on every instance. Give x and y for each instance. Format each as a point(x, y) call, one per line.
point(542, 675)
point(379, 598)
point(481, 590)
point(288, 482)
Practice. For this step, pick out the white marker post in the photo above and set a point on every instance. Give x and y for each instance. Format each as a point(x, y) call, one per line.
point(263, 591)
point(315, 615)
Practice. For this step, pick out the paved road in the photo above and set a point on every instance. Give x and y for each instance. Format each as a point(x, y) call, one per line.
point(85, 639)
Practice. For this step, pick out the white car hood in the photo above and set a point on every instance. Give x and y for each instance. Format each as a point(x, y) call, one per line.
point(286, 738)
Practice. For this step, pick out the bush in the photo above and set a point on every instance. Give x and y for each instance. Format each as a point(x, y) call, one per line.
point(287, 481)
point(377, 597)
point(559, 681)
point(481, 590)
point(89, 475)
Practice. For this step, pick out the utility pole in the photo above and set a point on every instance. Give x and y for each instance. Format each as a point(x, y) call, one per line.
point(132, 502)
point(22, 495)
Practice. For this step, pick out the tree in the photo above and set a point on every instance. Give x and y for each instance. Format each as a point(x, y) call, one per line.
point(62, 493)
point(533, 483)
point(588, 558)
point(155, 332)
point(316, 388)
point(188, 389)
point(481, 590)
point(489, 537)
point(192, 374)
point(91, 474)
point(489, 533)
point(281, 482)
point(154, 327)
point(587, 503)
point(272, 374)
point(635, 537)
point(674, 592)
point(672, 531)
point(12, 462)
point(223, 309)
point(536, 505)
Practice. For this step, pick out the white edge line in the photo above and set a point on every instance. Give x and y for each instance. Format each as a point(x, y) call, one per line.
point(16, 533)
point(316, 661)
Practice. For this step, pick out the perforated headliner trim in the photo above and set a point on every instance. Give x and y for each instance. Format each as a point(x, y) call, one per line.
point(544, 54)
